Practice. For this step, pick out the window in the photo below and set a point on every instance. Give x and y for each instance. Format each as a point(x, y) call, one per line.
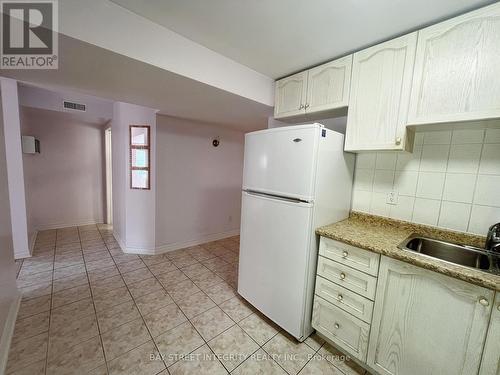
point(140, 144)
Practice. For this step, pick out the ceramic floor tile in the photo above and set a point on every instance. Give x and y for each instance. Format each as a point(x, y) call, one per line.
point(70, 282)
point(124, 258)
point(201, 362)
point(340, 360)
point(206, 280)
point(183, 290)
point(220, 292)
point(37, 278)
point(320, 366)
point(314, 342)
point(66, 314)
point(153, 301)
point(178, 342)
point(37, 290)
point(124, 338)
point(290, 354)
point(233, 346)
point(194, 269)
point(237, 308)
point(70, 295)
point(37, 368)
point(259, 328)
point(117, 315)
point(184, 261)
point(143, 287)
point(34, 306)
point(131, 266)
point(102, 273)
point(109, 299)
point(63, 336)
point(78, 359)
point(105, 285)
point(31, 326)
point(137, 362)
point(26, 352)
point(137, 275)
point(170, 279)
point(211, 323)
point(159, 268)
point(259, 363)
point(164, 319)
point(99, 264)
point(195, 304)
point(69, 271)
point(154, 259)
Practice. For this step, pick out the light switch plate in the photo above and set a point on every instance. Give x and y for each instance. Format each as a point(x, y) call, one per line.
point(392, 198)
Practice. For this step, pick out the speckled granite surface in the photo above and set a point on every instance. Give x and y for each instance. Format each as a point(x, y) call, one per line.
point(383, 235)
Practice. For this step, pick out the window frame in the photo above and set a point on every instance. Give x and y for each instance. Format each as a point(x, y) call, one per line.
point(137, 147)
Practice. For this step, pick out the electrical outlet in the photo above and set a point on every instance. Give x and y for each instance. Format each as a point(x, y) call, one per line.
point(392, 198)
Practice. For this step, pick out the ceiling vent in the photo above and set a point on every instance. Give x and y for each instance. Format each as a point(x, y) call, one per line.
point(74, 106)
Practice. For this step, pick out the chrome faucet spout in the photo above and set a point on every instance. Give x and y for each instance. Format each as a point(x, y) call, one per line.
point(493, 238)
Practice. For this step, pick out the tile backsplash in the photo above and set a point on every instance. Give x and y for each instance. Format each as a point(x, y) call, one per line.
point(451, 180)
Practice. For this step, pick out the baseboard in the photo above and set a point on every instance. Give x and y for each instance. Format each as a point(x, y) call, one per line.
point(198, 241)
point(68, 224)
point(159, 249)
point(8, 331)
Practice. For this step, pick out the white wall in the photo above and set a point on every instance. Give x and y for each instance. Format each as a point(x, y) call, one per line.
point(64, 183)
point(8, 290)
point(198, 185)
point(133, 210)
point(12, 131)
point(451, 180)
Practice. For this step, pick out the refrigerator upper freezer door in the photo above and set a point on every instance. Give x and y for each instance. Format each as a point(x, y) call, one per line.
point(282, 161)
point(274, 248)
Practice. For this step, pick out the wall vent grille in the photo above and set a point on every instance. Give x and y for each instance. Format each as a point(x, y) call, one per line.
point(74, 106)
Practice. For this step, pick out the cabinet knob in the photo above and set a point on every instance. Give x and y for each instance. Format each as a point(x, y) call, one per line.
point(498, 307)
point(301, 106)
point(306, 106)
point(398, 140)
point(336, 325)
point(483, 301)
point(345, 254)
point(342, 276)
point(340, 297)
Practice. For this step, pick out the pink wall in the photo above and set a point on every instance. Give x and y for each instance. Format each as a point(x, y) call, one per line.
point(65, 183)
point(198, 187)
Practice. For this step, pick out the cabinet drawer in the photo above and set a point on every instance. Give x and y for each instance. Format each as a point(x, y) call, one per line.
point(351, 302)
point(351, 256)
point(347, 277)
point(343, 329)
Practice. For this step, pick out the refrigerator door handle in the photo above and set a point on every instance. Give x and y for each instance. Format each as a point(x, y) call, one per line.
point(271, 196)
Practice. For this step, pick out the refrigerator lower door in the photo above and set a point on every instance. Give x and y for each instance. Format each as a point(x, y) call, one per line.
point(274, 254)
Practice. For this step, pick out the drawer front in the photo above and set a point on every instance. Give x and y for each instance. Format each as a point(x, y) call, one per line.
point(341, 328)
point(351, 302)
point(351, 256)
point(347, 277)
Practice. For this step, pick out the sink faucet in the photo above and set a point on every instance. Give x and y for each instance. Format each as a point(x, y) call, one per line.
point(493, 238)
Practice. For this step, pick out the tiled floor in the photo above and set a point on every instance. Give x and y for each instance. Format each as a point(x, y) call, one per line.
point(88, 308)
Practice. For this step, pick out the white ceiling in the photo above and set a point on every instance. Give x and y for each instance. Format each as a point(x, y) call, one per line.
point(279, 37)
point(88, 69)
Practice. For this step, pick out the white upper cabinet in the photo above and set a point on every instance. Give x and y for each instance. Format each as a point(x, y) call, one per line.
point(321, 89)
point(380, 94)
point(457, 69)
point(425, 322)
point(290, 96)
point(328, 85)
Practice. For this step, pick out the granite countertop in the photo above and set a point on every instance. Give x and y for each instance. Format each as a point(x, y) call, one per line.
point(383, 235)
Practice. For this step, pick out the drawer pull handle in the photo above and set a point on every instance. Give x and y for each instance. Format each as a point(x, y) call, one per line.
point(345, 254)
point(336, 325)
point(342, 276)
point(340, 297)
point(483, 301)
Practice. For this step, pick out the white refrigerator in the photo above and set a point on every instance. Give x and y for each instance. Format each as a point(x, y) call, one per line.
point(295, 179)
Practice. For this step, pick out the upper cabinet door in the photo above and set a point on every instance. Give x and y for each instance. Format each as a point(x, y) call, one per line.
point(290, 96)
point(427, 323)
point(380, 93)
point(328, 85)
point(457, 68)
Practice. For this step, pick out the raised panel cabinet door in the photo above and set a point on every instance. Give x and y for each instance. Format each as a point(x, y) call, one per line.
point(328, 85)
point(290, 96)
point(457, 66)
point(380, 94)
point(427, 323)
point(490, 365)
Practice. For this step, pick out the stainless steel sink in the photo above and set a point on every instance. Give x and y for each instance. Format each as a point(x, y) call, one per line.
point(463, 255)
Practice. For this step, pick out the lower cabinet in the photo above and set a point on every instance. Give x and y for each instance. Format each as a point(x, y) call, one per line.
point(490, 364)
point(425, 322)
